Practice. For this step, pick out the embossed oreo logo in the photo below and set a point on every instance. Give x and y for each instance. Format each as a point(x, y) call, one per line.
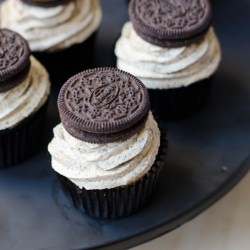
point(171, 14)
point(104, 95)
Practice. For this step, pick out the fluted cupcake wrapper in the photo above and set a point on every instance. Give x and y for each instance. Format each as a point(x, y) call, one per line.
point(20, 142)
point(180, 102)
point(65, 63)
point(117, 202)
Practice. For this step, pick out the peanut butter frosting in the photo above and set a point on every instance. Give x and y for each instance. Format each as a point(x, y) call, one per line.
point(101, 166)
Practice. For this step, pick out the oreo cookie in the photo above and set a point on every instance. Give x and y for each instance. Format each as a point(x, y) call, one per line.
point(103, 105)
point(170, 23)
point(14, 59)
point(46, 3)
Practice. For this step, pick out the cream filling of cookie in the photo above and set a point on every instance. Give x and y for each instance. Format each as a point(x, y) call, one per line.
point(26, 98)
point(55, 28)
point(164, 68)
point(100, 166)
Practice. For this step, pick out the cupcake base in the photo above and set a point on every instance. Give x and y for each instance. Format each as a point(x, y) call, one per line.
point(20, 142)
point(116, 202)
point(181, 102)
point(65, 63)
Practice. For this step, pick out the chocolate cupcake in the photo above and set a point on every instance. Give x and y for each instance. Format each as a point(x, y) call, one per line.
point(60, 33)
point(24, 90)
point(172, 48)
point(106, 150)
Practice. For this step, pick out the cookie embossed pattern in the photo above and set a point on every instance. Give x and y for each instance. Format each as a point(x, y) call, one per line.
point(11, 49)
point(104, 103)
point(170, 20)
point(107, 92)
point(14, 59)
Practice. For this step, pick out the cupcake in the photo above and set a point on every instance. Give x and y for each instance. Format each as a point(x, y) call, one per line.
point(173, 49)
point(106, 151)
point(24, 90)
point(60, 33)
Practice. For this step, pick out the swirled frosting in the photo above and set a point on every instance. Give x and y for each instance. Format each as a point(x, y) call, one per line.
point(163, 68)
point(100, 166)
point(54, 28)
point(26, 98)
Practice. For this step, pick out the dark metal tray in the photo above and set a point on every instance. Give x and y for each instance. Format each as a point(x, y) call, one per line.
point(208, 155)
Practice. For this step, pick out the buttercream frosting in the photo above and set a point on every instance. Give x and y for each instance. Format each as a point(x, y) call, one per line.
point(101, 166)
point(26, 98)
point(164, 68)
point(54, 28)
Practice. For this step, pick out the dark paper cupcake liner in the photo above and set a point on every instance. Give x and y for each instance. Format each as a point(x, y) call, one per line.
point(181, 102)
point(117, 202)
point(20, 142)
point(65, 63)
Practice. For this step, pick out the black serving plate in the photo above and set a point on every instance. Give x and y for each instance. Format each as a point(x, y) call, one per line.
point(208, 155)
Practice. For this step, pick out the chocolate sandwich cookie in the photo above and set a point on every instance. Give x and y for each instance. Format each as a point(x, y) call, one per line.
point(170, 23)
point(46, 3)
point(24, 89)
point(103, 105)
point(14, 59)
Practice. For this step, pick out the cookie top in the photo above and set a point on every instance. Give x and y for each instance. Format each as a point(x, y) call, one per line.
point(46, 3)
point(170, 23)
point(14, 59)
point(103, 105)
